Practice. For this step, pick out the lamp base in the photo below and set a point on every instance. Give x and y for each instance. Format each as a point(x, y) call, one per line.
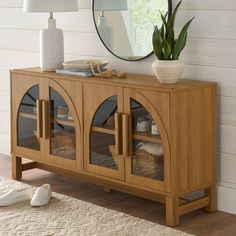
point(51, 47)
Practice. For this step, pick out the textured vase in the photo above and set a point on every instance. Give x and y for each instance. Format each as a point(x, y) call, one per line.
point(168, 72)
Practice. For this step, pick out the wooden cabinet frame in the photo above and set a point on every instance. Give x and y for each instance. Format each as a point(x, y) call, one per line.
point(186, 116)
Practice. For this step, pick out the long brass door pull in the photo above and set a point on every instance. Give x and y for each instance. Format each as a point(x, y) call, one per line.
point(46, 119)
point(125, 134)
point(39, 118)
point(118, 133)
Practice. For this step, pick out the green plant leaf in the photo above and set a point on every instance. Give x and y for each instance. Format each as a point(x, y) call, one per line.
point(167, 50)
point(171, 38)
point(181, 41)
point(165, 25)
point(157, 43)
point(162, 30)
point(171, 20)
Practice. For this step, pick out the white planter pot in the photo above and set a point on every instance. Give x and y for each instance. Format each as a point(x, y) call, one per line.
point(168, 72)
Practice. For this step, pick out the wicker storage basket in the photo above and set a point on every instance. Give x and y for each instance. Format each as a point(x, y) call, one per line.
point(144, 163)
point(63, 145)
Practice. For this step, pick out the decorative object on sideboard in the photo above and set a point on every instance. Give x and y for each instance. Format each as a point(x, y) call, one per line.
point(168, 68)
point(109, 73)
point(51, 38)
point(80, 67)
point(83, 65)
point(90, 68)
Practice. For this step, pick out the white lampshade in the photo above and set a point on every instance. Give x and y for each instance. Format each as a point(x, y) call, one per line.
point(110, 5)
point(50, 5)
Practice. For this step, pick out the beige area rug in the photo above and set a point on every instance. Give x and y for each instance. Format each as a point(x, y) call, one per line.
point(66, 216)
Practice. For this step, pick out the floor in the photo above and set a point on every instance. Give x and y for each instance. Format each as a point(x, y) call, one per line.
point(197, 223)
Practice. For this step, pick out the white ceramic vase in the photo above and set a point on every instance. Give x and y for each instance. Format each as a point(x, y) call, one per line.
point(168, 72)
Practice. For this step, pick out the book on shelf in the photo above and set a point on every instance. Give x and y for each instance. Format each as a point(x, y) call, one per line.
point(72, 71)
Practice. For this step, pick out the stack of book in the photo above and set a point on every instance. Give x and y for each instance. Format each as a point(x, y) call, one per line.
point(74, 71)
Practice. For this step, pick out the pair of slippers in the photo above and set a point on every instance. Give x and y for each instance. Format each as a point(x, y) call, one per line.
point(41, 196)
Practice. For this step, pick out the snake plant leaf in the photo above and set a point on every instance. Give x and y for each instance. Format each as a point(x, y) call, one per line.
point(162, 30)
point(167, 50)
point(181, 41)
point(171, 38)
point(163, 18)
point(157, 43)
point(171, 20)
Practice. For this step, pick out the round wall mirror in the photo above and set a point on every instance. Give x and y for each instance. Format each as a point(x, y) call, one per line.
point(126, 26)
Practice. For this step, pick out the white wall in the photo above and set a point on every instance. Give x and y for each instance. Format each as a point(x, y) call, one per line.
point(209, 55)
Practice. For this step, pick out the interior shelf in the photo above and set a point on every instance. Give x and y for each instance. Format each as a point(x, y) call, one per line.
point(147, 137)
point(64, 122)
point(103, 130)
point(56, 121)
point(28, 115)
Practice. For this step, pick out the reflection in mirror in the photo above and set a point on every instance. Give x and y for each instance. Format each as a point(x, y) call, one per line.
point(126, 26)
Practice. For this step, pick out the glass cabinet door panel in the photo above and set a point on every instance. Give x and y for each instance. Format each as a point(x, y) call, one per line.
point(102, 136)
point(101, 150)
point(147, 149)
point(27, 120)
point(63, 136)
point(104, 116)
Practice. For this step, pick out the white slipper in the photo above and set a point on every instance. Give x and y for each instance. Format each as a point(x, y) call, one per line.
point(15, 196)
point(42, 196)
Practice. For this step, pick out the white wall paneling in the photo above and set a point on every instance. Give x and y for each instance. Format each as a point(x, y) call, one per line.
point(208, 4)
point(5, 143)
point(210, 55)
point(5, 119)
point(4, 80)
point(4, 101)
point(226, 168)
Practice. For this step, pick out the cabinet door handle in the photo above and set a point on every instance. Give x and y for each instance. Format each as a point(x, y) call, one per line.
point(46, 119)
point(118, 131)
point(125, 132)
point(39, 118)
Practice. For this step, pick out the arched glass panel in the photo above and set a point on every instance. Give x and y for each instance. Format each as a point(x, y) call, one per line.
point(148, 153)
point(63, 136)
point(102, 137)
point(27, 120)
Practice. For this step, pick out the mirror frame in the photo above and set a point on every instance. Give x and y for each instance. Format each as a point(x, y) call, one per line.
point(94, 21)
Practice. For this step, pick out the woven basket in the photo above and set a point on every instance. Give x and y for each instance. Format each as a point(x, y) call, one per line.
point(63, 145)
point(145, 163)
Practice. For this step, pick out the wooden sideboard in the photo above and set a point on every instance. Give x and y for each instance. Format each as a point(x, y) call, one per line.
point(87, 128)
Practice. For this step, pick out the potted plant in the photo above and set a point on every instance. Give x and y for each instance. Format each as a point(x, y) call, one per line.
point(168, 68)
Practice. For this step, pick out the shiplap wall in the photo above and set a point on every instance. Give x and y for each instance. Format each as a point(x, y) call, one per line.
point(210, 55)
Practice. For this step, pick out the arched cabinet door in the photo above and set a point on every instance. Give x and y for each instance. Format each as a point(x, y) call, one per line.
point(148, 154)
point(46, 120)
point(102, 130)
point(26, 126)
point(62, 127)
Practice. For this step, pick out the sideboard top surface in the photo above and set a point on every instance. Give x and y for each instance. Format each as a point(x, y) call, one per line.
point(133, 80)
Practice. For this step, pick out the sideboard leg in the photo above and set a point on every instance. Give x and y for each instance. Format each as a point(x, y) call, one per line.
point(172, 211)
point(211, 192)
point(16, 167)
point(107, 190)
